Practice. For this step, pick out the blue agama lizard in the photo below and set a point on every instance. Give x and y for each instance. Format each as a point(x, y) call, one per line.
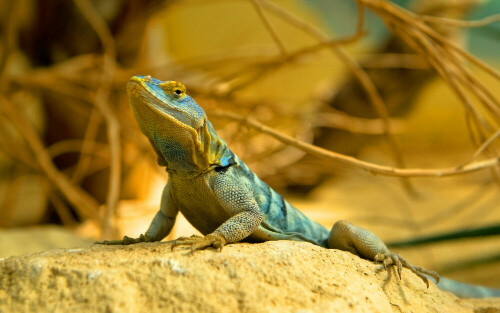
point(218, 194)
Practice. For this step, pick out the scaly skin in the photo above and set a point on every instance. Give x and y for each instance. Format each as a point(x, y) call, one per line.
point(216, 191)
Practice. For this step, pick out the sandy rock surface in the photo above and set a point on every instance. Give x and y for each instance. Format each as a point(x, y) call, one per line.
point(275, 276)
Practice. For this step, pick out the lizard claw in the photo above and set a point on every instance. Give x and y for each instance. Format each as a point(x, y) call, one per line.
point(125, 241)
point(199, 243)
point(392, 258)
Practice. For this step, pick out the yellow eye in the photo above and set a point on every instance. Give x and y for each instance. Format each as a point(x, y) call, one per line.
point(174, 89)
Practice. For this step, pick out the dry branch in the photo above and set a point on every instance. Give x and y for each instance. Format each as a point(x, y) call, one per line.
point(269, 27)
point(353, 162)
point(86, 206)
point(460, 23)
point(101, 101)
point(448, 60)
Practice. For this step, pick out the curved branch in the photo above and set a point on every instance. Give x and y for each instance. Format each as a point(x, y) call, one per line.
point(101, 101)
point(354, 162)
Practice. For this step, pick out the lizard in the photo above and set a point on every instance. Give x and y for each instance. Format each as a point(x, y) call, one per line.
point(219, 195)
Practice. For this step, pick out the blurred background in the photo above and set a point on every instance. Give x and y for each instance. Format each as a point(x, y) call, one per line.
point(404, 84)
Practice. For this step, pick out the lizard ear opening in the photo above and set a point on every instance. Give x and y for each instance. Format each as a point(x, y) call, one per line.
point(174, 89)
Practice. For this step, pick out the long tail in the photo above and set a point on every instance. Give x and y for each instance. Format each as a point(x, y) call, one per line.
point(464, 290)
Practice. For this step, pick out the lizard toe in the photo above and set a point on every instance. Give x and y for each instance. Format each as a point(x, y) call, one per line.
point(200, 243)
point(184, 241)
point(125, 241)
point(392, 258)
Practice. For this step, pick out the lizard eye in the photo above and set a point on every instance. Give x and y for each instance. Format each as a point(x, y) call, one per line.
point(174, 89)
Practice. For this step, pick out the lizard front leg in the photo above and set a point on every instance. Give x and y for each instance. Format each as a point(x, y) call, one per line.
point(160, 227)
point(359, 241)
point(236, 228)
point(236, 201)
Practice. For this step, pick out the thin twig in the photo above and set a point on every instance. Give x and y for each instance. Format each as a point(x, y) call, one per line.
point(404, 34)
point(269, 27)
point(9, 40)
point(86, 206)
point(485, 145)
point(76, 145)
point(18, 151)
point(62, 209)
point(385, 8)
point(10, 195)
point(443, 55)
point(476, 87)
point(264, 67)
point(460, 23)
point(102, 95)
point(435, 58)
point(395, 60)
point(84, 160)
point(357, 125)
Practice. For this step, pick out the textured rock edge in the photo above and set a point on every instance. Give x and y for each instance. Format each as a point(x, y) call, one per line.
point(273, 276)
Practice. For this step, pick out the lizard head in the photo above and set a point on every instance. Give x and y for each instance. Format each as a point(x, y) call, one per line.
point(175, 124)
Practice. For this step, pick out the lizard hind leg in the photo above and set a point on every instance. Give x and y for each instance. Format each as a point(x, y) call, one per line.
point(348, 237)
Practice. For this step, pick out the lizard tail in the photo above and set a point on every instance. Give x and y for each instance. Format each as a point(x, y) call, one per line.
point(464, 290)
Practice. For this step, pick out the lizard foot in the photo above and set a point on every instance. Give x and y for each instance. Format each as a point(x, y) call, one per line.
point(198, 243)
point(125, 241)
point(392, 258)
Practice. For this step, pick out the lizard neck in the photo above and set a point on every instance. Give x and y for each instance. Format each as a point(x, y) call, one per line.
point(192, 152)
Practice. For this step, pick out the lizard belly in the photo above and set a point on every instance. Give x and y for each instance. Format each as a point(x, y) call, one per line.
point(201, 210)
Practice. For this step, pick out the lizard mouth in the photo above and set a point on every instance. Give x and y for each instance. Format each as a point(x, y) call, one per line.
point(145, 89)
point(140, 86)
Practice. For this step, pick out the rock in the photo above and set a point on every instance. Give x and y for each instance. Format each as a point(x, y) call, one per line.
point(277, 276)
